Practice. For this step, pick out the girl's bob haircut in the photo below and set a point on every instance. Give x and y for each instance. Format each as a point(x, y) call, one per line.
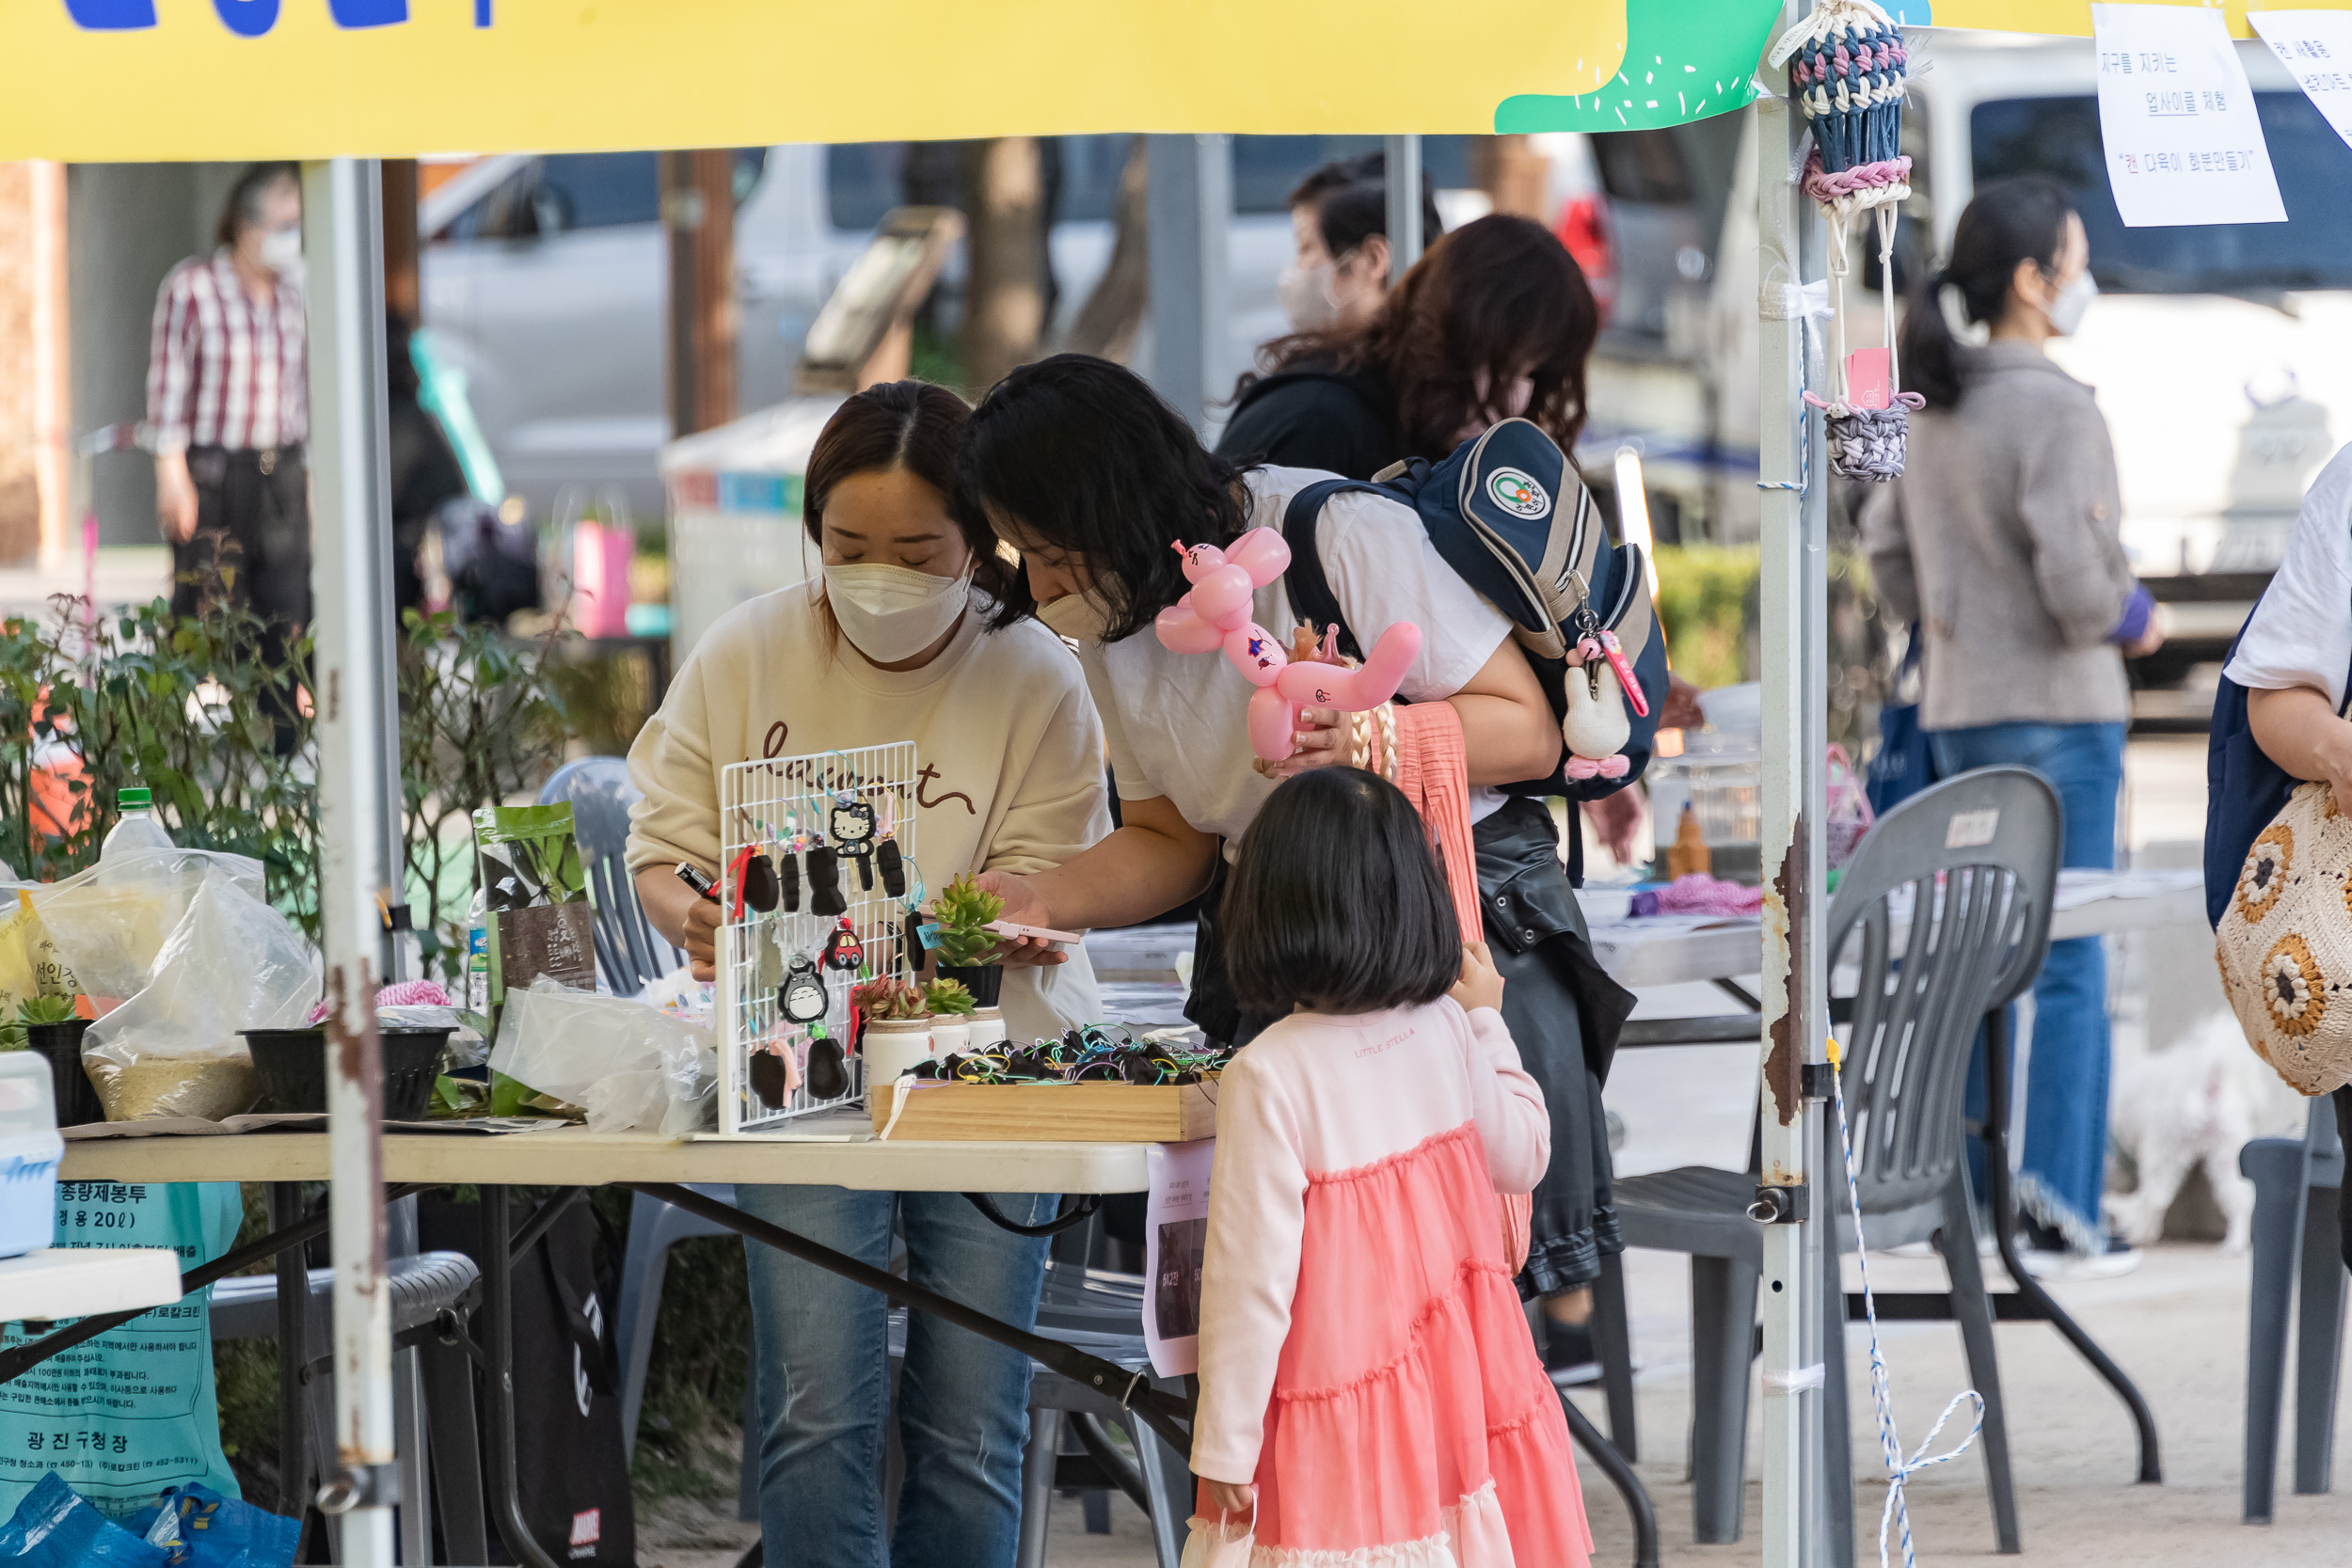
point(1337, 903)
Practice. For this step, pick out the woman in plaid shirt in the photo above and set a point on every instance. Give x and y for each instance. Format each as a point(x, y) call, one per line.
point(228, 409)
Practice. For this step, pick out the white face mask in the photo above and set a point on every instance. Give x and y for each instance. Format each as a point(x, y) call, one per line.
point(1307, 296)
point(281, 251)
point(894, 612)
point(1077, 616)
point(2066, 312)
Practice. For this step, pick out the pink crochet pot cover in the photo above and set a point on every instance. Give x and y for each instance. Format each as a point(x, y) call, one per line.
point(1412, 1424)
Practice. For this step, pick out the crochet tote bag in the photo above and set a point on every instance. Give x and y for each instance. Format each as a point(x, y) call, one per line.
point(2284, 942)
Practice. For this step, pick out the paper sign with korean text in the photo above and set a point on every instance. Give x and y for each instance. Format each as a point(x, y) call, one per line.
point(2184, 144)
point(2316, 49)
point(1175, 1241)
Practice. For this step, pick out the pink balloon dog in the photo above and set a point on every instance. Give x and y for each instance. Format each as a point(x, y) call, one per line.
point(1216, 614)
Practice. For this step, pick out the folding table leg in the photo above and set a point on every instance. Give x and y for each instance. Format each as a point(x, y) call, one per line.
point(497, 1282)
point(294, 1353)
point(456, 1452)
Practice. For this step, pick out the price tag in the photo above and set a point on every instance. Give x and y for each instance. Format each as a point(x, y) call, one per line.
point(1867, 378)
point(2177, 118)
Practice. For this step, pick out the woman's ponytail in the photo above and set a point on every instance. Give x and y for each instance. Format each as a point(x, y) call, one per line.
point(2019, 219)
point(1931, 356)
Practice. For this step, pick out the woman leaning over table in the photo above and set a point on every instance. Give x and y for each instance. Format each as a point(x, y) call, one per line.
point(915, 630)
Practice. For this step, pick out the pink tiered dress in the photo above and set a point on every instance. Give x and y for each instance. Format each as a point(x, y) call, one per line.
point(1364, 1357)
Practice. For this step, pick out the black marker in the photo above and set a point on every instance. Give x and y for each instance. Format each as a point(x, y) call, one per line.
point(692, 877)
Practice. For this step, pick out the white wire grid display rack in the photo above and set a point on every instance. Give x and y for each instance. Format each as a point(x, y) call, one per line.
point(769, 807)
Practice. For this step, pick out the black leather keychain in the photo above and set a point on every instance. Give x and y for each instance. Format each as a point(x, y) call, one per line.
point(824, 881)
point(828, 1070)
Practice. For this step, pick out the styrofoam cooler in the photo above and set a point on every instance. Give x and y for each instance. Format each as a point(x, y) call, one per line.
point(30, 1151)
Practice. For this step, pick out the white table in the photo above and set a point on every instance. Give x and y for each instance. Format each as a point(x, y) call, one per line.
point(74, 1282)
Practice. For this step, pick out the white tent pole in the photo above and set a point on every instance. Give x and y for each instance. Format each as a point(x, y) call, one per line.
point(1800, 1323)
point(359, 811)
point(1405, 240)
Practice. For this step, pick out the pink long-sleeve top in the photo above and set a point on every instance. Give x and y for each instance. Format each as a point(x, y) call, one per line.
point(1319, 1094)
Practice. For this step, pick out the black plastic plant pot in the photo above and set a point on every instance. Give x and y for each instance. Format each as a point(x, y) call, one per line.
point(984, 981)
point(293, 1065)
point(77, 1099)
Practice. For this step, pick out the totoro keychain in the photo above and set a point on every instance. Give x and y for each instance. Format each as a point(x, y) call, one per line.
point(801, 998)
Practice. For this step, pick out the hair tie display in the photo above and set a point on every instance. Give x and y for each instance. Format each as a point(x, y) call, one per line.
point(1847, 72)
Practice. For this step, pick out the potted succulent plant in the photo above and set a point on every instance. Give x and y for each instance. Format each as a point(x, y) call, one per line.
point(895, 1031)
point(952, 1009)
point(49, 1025)
point(963, 941)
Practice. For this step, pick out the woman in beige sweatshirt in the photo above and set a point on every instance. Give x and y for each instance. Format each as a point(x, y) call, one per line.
point(916, 630)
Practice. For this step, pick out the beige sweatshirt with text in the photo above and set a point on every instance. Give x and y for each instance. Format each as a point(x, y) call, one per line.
point(1008, 751)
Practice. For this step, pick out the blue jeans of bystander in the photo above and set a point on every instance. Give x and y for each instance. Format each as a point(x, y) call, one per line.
point(822, 1351)
point(2063, 1166)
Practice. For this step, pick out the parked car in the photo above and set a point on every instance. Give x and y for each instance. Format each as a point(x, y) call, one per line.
point(542, 277)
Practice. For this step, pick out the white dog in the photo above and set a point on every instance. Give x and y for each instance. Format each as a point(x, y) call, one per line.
point(2197, 1101)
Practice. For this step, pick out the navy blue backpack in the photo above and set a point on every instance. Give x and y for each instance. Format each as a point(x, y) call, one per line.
point(1508, 512)
point(2244, 789)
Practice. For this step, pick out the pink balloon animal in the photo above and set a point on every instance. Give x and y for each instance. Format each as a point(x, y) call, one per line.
point(1216, 614)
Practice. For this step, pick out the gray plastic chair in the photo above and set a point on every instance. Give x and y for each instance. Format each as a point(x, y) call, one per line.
point(2298, 1185)
point(1977, 856)
point(630, 951)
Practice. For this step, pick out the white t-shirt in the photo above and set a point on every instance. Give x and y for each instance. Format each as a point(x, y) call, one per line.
point(1177, 725)
point(2301, 632)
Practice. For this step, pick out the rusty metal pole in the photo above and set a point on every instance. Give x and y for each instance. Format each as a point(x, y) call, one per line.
point(698, 210)
point(1801, 1328)
point(351, 685)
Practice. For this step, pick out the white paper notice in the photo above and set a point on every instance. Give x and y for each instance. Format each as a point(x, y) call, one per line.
point(2316, 49)
point(1175, 1240)
point(2184, 144)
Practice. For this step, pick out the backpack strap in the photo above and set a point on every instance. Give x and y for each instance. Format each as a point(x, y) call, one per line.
point(1310, 589)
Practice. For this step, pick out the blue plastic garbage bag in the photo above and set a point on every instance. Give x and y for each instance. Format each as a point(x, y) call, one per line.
point(54, 1529)
point(133, 1411)
point(200, 1528)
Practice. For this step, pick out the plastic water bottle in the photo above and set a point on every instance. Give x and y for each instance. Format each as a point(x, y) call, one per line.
point(478, 954)
point(137, 830)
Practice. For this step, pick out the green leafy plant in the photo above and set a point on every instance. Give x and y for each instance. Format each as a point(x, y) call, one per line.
point(948, 998)
point(964, 910)
point(887, 999)
point(481, 722)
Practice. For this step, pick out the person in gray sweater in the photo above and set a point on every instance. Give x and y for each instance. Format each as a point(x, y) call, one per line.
point(2001, 544)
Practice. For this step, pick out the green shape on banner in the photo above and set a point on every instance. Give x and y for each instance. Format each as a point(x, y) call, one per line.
point(1684, 60)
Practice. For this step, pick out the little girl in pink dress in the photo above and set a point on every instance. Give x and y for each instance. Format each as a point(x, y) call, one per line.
point(1368, 1390)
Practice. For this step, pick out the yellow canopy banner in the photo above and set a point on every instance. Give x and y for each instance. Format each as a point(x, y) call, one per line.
point(98, 80)
point(2069, 16)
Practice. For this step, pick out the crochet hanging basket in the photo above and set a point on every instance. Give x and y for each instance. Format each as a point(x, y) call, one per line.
point(2285, 944)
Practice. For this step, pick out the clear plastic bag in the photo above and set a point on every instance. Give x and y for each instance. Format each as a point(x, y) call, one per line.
point(632, 1068)
point(111, 921)
point(230, 962)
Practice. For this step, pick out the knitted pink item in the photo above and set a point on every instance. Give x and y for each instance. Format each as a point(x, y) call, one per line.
point(1700, 894)
point(401, 993)
point(1825, 187)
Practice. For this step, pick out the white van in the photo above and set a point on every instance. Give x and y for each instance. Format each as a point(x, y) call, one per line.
point(542, 277)
point(2219, 354)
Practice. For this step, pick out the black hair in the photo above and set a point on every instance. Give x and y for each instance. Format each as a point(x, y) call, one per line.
point(1350, 200)
point(1337, 902)
point(2008, 221)
point(915, 427)
point(1081, 453)
point(243, 205)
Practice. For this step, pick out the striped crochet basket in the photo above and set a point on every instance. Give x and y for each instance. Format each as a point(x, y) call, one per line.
point(2284, 944)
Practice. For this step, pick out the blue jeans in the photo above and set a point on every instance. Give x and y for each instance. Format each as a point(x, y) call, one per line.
point(821, 1349)
point(2062, 1167)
